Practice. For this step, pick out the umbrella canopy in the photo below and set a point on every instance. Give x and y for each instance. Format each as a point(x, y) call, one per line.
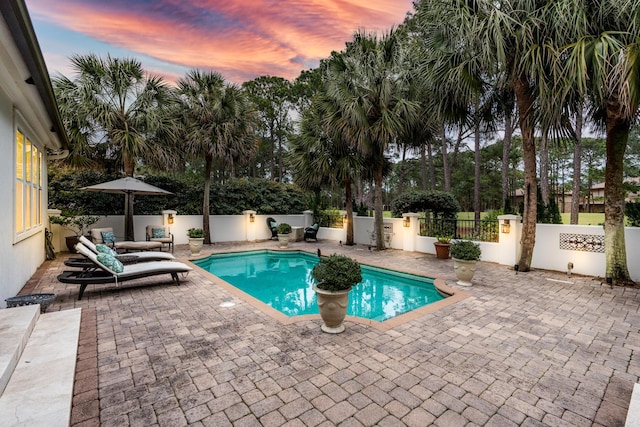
point(127, 186)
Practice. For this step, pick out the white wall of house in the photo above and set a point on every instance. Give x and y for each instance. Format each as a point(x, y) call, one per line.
point(22, 107)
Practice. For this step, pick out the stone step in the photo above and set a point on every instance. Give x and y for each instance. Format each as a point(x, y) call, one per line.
point(16, 325)
point(40, 390)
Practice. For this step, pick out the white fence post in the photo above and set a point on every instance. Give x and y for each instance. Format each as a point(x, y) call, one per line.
point(410, 227)
point(509, 235)
point(250, 225)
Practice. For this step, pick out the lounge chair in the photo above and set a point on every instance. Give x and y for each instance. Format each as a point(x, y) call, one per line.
point(84, 262)
point(273, 226)
point(159, 233)
point(311, 232)
point(105, 235)
point(102, 273)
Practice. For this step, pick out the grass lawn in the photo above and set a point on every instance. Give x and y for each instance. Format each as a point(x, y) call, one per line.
point(583, 218)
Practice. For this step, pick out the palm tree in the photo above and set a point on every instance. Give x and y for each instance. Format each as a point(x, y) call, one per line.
point(367, 84)
point(217, 123)
point(502, 40)
point(114, 110)
point(320, 154)
point(600, 60)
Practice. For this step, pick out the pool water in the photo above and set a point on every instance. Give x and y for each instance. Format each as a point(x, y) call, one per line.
point(283, 281)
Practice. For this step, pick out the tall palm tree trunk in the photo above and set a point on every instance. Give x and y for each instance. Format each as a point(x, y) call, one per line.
point(577, 157)
point(476, 172)
point(403, 169)
point(378, 223)
point(129, 167)
point(445, 160)
point(544, 167)
point(525, 103)
point(423, 166)
point(205, 199)
point(349, 201)
point(506, 149)
point(614, 245)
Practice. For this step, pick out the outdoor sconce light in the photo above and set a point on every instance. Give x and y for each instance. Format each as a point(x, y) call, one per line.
point(406, 222)
point(170, 219)
point(506, 226)
point(252, 218)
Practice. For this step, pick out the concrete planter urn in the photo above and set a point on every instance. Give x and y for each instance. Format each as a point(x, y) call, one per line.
point(464, 271)
point(465, 255)
point(196, 240)
point(195, 245)
point(336, 275)
point(284, 230)
point(333, 309)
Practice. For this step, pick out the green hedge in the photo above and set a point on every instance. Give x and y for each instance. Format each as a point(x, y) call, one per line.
point(231, 198)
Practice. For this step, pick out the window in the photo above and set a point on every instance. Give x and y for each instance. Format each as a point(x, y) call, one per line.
point(28, 186)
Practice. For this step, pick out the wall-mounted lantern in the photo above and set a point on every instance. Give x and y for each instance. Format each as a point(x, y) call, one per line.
point(506, 227)
point(406, 222)
point(170, 218)
point(252, 218)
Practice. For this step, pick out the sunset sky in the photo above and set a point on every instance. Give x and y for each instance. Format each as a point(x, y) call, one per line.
point(242, 39)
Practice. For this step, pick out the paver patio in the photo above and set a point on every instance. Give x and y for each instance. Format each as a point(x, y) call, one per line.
point(527, 349)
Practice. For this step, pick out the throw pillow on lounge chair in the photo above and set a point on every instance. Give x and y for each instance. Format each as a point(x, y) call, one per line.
point(108, 237)
point(157, 233)
point(111, 262)
point(102, 248)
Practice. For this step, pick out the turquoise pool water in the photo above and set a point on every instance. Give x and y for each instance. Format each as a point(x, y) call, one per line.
point(283, 281)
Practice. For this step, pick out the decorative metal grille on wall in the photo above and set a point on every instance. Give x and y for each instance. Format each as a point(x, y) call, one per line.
point(582, 242)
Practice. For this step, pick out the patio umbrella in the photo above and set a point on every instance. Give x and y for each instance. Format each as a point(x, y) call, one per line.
point(127, 186)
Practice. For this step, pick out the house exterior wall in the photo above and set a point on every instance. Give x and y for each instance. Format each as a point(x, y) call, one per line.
point(21, 104)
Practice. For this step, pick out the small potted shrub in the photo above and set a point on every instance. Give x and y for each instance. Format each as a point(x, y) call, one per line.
point(336, 275)
point(76, 224)
point(465, 254)
point(196, 240)
point(443, 244)
point(283, 234)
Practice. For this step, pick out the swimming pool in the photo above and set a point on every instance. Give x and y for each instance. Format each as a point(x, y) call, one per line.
point(283, 281)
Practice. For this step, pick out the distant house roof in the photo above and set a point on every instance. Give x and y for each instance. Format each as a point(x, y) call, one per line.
point(19, 23)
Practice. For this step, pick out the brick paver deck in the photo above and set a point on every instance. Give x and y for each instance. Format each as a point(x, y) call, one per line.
point(527, 349)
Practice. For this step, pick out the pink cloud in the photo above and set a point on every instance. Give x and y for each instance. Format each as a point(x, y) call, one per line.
point(241, 39)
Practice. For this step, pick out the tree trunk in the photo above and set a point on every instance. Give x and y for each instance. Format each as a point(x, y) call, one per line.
point(432, 170)
point(423, 166)
point(349, 199)
point(445, 160)
point(205, 199)
point(614, 242)
point(577, 158)
point(528, 241)
point(476, 170)
point(403, 167)
point(378, 223)
point(544, 167)
point(506, 149)
point(129, 168)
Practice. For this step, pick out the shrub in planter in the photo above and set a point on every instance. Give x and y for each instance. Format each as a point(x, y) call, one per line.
point(284, 228)
point(337, 273)
point(195, 233)
point(465, 250)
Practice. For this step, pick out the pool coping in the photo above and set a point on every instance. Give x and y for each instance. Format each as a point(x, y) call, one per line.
point(454, 295)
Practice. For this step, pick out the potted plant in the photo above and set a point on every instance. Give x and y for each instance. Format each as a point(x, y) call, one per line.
point(443, 244)
point(336, 275)
point(465, 254)
point(283, 234)
point(76, 224)
point(196, 239)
